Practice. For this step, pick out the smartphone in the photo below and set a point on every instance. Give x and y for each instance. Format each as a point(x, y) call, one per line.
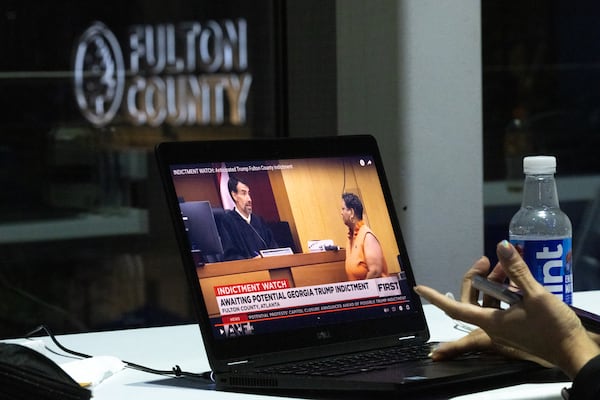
point(497, 290)
point(512, 296)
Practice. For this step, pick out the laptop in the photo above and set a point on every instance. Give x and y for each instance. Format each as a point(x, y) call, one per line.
point(273, 323)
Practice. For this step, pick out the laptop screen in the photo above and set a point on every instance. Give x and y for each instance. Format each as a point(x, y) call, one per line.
point(292, 244)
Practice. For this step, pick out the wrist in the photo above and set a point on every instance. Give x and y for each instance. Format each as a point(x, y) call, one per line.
point(577, 355)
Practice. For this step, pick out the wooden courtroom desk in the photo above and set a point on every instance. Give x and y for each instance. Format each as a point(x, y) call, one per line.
point(301, 269)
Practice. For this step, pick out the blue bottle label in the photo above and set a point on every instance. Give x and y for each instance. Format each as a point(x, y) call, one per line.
point(550, 263)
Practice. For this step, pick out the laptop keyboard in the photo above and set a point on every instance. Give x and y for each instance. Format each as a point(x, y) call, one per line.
point(354, 363)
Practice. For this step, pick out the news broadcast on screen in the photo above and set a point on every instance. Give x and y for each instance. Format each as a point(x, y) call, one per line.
point(269, 241)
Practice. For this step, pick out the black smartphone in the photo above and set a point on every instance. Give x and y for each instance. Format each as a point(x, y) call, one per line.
point(511, 295)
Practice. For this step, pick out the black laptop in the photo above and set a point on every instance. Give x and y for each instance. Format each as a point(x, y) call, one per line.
point(287, 315)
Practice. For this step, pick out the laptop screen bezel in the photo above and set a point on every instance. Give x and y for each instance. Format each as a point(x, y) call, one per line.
point(259, 349)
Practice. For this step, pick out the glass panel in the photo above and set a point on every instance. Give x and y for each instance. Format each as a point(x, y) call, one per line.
point(85, 240)
point(540, 96)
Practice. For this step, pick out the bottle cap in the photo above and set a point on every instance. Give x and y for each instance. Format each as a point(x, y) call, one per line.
point(539, 165)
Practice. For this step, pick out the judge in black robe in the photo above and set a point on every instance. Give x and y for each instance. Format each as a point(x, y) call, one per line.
point(242, 239)
point(243, 234)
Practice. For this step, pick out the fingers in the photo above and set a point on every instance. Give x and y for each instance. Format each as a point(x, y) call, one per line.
point(481, 267)
point(516, 269)
point(477, 340)
point(469, 313)
point(497, 275)
point(468, 294)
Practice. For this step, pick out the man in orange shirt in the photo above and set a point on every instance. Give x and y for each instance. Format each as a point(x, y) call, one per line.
point(364, 256)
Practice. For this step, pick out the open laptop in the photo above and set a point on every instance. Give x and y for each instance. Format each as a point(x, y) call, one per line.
point(262, 316)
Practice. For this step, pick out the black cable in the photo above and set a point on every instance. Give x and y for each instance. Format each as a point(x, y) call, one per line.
point(60, 346)
point(176, 371)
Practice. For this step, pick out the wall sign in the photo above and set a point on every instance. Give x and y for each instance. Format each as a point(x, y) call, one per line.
point(188, 73)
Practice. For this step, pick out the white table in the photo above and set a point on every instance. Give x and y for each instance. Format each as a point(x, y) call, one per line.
point(162, 348)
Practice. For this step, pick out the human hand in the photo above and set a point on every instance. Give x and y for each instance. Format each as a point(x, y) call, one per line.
point(564, 341)
point(478, 340)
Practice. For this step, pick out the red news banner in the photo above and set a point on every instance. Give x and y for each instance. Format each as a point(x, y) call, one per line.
point(276, 298)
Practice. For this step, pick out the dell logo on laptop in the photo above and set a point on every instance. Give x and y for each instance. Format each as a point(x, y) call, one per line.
point(322, 335)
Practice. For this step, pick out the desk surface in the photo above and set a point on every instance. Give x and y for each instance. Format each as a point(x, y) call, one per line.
point(163, 348)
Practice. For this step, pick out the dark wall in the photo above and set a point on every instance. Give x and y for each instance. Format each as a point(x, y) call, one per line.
point(57, 166)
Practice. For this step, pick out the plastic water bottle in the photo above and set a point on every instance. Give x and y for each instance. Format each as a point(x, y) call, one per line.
point(541, 231)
